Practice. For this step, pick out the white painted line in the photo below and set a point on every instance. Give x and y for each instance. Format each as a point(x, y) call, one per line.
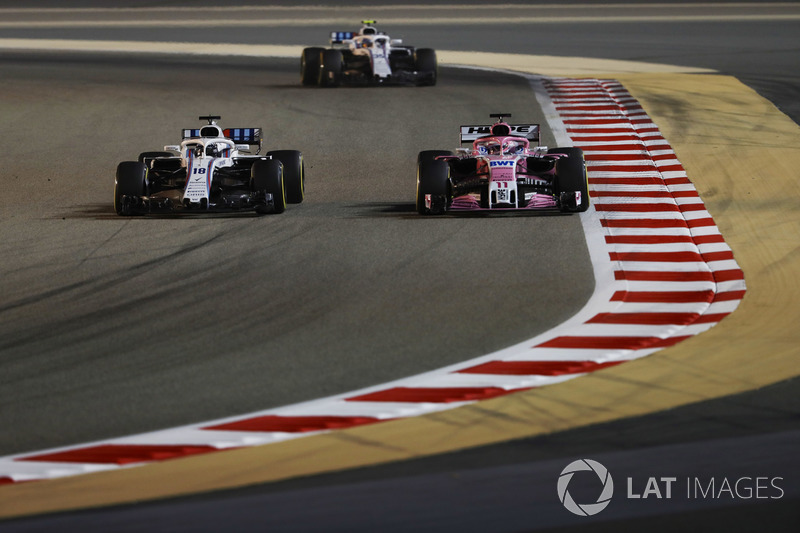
point(545, 65)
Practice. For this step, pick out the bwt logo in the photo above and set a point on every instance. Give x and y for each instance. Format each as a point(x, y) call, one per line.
point(585, 509)
point(502, 163)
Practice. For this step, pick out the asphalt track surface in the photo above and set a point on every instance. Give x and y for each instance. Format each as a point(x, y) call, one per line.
point(70, 264)
point(230, 314)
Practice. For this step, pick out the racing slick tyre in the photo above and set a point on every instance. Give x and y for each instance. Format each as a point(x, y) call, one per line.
point(426, 64)
point(153, 155)
point(294, 174)
point(266, 177)
point(433, 178)
point(309, 65)
point(130, 185)
point(330, 68)
point(571, 179)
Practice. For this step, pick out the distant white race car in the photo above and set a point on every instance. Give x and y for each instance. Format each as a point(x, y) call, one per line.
point(211, 170)
point(367, 57)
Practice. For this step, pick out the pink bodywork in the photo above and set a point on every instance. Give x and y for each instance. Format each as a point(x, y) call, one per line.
point(500, 157)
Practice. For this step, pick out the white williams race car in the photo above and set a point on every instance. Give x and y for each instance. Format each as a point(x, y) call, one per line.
point(367, 57)
point(211, 170)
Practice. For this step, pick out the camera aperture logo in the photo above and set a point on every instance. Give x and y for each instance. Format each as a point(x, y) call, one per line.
point(585, 509)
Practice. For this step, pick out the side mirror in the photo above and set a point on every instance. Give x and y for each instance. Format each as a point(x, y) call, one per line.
point(396, 42)
point(172, 148)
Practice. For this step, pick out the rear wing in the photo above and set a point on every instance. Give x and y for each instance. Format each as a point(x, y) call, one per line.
point(472, 133)
point(339, 37)
point(251, 136)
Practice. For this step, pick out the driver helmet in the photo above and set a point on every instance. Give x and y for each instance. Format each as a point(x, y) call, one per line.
point(212, 150)
point(513, 147)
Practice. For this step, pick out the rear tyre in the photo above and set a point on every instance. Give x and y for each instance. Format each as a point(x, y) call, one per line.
point(293, 174)
point(266, 176)
point(130, 184)
point(309, 65)
point(330, 69)
point(571, 179)
point(425, 62)
point(433, 178)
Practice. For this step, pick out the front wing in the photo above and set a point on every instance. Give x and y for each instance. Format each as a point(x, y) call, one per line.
point(170, 203)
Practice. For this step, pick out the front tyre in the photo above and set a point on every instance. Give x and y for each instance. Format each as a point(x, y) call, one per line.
point(433, 183)
point(309, 65)
point(426, 65)
point(571, 183)
point(130, 184)
point(293, 174)
point(330, 69)
point(266, 177)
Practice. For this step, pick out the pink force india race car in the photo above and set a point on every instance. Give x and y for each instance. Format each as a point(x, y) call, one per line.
point(502, 172)
point(211, 170)
point(367, 57)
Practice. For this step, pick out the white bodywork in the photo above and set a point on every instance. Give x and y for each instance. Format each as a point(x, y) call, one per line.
point(201, 157)
point(377, 47)
point(369, 42)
